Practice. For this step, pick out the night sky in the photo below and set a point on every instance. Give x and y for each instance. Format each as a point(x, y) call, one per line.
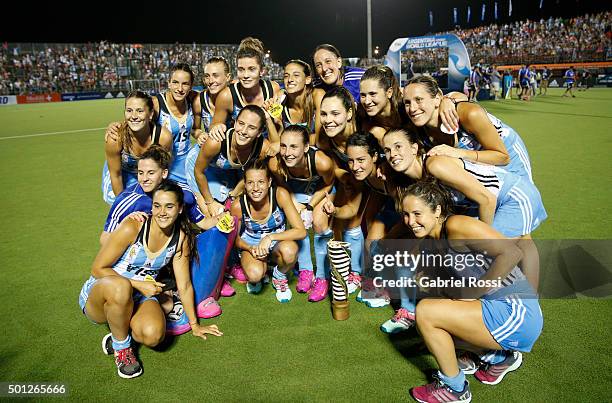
point(290, 29)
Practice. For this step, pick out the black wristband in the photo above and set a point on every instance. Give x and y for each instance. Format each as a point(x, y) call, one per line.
point(309, 207)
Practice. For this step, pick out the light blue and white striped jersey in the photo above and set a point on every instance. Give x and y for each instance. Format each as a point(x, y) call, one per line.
point(138, 261)
point(180, 128)
point(273, 223)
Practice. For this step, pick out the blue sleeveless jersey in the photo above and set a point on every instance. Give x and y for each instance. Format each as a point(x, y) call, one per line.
point(286, 118)
point(223, 174)
point(138, 262)
point(303, 188)
point(180, 129)
point(239, 102)
point(129, 169)
point(207, 110)
point(257, 229)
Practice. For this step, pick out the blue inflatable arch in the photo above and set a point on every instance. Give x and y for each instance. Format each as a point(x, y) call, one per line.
point(458, 59)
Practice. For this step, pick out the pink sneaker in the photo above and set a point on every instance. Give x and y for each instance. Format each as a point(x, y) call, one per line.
point(318, 292)
point(209, 308)
point(304, 281)
point(237, 272)
point(227, 290)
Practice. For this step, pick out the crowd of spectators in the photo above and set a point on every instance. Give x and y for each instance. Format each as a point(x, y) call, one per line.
point(553, 40)
point(103, 66)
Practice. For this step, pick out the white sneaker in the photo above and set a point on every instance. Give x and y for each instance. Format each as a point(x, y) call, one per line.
point(401, 321)
point(283, 292)
point(377, 300)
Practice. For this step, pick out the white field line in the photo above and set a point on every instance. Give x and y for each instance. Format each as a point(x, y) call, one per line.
point(51, 133)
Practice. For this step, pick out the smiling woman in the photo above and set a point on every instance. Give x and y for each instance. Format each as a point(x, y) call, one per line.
point(263, 213)
point(122, 289)
point(219, 165)
point(135, 135)
point(250, 89)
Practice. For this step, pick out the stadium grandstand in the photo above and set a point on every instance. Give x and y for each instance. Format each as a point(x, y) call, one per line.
point(36, 68)
point(72, 68)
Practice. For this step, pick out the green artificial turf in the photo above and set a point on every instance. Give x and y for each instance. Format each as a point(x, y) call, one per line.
point(53, 214)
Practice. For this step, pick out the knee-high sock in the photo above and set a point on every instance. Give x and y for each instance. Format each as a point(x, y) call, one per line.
point(340, 266)
point(304, 258)
point(354, 236)
point(320, 247)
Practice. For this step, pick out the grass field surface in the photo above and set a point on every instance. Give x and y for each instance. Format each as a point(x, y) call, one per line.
point(53, 214)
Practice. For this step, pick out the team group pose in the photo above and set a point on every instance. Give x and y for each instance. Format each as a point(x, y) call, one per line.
point(339, 154)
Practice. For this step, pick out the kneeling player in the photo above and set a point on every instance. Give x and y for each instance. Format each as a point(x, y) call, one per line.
point(122, 289)
point(263, 212)
point(503, 320)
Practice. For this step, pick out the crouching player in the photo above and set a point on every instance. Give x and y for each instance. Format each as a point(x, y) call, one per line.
point(263, 213)
point(122, 290)
point(503, 319)
point(153, 167)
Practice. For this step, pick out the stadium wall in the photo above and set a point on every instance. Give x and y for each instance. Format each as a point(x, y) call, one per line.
point(57, 97)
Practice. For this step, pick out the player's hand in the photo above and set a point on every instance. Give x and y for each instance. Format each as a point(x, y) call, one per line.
point(201, 136)
point(112, 131)
point(202, 331)
point(215, 208)
point(268, 105)
point(149, 288)
point(328, 205)
point(273, 149)
point(448, 115)
point(445, 150)
point(217, 132)
point(137, 216)
point(262, 250)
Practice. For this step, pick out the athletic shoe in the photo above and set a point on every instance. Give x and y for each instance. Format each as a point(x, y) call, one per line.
point(127, 364)
point(283, 292)
point(438, 391)
point(107, 344)
point(237, 273)
point(354, 282)
point(177, 322)
point(319, 290)
point(266, 278)
point(209, 308)
point(492, 374)
point(467, 362)
point(227, 290)
point(253, 288)
point(304, 281)
point(377, 299)
point(400, 322)
point(367, 285)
